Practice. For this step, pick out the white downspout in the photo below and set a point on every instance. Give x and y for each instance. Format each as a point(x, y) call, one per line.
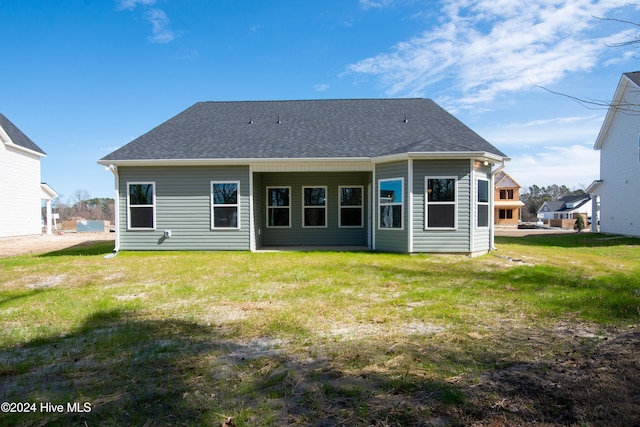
point(116, 208)
point(493, 208)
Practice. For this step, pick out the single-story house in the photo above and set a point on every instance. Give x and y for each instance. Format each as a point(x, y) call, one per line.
point(566, 208)
point(21, 189)
point(398, 175)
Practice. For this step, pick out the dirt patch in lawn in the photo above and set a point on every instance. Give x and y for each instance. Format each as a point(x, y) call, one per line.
point(596, 381)
point(39, 244)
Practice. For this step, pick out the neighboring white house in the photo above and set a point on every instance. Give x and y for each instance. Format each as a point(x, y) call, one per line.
point(21, 191)
point(617, 192)
point(566, 208)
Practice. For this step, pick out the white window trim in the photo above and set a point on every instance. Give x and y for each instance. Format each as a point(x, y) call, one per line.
point(325, 207)
point(427, 203)
point(235, 205)
point(269, 206)
point(401, 204)
point(479, 203)
point(129, 205)
point(341, 206)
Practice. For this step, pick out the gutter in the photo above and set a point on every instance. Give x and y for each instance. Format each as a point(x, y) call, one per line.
point(116, 208)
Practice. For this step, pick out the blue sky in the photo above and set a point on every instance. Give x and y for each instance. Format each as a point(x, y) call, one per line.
point(84, 77)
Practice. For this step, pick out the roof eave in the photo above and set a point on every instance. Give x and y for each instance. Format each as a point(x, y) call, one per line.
point(24, 149)
point(593, 187)
point(250, 160)
point(441, 155)
point(229, 161)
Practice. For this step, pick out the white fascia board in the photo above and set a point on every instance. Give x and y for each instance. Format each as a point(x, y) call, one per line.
point(303, 164)
point(611, 112)
point(47, 191)
point(4, 137)
point(10, 143)
point(441, 155)
point(593, 187)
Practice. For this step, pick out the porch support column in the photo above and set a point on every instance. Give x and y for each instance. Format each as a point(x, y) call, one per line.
point(49, 216)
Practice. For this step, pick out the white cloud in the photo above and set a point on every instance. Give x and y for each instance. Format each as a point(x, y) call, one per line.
point(561, 131)
point(131, 4)
point(321, 87)
point(486, 48)
point(375, 4)
point(575, 166)
point(550, 151)
point(160, 31)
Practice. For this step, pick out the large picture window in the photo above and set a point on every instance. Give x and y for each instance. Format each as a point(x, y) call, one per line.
point(141, 202)
point(440, 200)
point(225, 204)
point(351, 202)
point(390, 201)
point(278, 206)
point(483, 203)
point(314, 209)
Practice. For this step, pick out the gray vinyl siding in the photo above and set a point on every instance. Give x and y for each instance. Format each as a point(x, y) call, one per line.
point(444, 241)
point(297, 235)
point(183, 205)
point(392, 240)
point(481, 236)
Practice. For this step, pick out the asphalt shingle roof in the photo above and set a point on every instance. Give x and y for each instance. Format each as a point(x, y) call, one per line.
point(17, 136)
point(305, 129)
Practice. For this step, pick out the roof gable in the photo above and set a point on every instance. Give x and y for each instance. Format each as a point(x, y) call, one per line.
point(313, 129)
point(17, 137)
point(627, 80)
point(504, 180)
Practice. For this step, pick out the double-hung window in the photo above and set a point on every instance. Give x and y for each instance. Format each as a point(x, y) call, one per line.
point(483, 203)
point(506, 194)
point(440, 201)
point(390, 202)
point(314, 209)
point(141, 206)
point(351, 206)
point(505, 214)
point(278, 206)
point(225, 204)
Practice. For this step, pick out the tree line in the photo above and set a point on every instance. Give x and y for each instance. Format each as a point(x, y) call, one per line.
point(535, 196)
point(81, 205)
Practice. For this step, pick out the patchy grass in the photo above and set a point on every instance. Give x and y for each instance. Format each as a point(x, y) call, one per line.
point(542, 332)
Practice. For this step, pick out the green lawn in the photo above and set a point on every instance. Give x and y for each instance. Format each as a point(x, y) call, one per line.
point(317, 338)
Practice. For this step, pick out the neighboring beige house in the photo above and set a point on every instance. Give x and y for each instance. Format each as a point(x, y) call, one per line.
point(507, 202)
point(21, 189)
point(617, 192)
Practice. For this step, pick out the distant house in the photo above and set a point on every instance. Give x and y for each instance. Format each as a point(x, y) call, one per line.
point(21, 190)
point(563, 212)
point(617, 192)
point(399, 175)
point(507, 203)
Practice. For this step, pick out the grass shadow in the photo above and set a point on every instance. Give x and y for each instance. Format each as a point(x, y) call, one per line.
point(131, 371)
point(92, 247)
point(121, 369)
point(570, 240)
